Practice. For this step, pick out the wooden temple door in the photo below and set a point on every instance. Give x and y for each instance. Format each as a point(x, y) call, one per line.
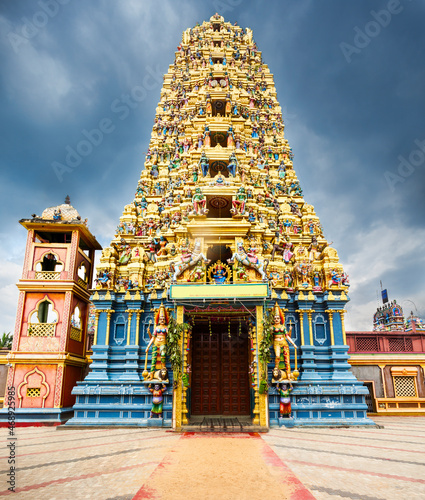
point(220, 379)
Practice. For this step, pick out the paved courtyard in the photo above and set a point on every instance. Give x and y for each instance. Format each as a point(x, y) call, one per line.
point(296, 464)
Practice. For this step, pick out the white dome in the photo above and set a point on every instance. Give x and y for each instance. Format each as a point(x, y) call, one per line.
point(68, 212)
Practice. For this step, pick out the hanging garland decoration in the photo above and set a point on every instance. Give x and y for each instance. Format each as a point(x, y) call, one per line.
point(175, 331)
point(264, 354)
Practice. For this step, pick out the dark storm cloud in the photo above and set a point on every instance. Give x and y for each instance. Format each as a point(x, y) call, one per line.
point(350, 114)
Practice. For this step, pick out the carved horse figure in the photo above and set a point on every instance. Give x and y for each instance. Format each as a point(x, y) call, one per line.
point(189, 259)
point(104, 280)
point(338, 279)
point(254, 262)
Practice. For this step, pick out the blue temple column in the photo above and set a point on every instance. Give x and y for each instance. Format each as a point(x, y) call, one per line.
point(99, 366)
point(132, 348)
point(308, 358)
point(340, 365)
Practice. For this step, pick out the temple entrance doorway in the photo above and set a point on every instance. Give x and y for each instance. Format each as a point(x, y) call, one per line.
point(220, 368)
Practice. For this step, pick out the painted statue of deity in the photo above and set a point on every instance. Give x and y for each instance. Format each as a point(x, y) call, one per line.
point(204, 164)
point(284, 391)
point(280, 344)
point(233, 164)
point(239, 202)
point(159, 342)
point(199, 202)
point(157, 399)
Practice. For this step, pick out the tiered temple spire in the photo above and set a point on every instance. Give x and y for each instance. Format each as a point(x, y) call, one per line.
point(219, 168)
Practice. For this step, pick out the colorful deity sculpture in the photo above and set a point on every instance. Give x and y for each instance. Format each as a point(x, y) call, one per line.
point(284, 391)
point(233, 164)
point(239, 202)
point(157, 391)
point(204, 164)
point(281, 337)
point(199, 203)
point(249, 259)
point(159, 343)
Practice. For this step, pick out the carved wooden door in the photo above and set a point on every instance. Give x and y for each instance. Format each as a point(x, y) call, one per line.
point(220, 381)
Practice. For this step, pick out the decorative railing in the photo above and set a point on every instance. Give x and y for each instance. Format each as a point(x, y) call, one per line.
point(385, 342)
point(81, 282)
point(41, 329)
point(400, 405)
point(75, 333)
point(47, 275)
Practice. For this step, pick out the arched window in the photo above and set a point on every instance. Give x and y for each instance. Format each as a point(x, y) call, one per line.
point(42, 321)
point(48, 267)
point(76, 325)
point(44, 313)
point(82, 272)
point(76, 318)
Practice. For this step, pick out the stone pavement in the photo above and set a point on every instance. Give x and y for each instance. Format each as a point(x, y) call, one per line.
point(357, 463)
point(122, 464)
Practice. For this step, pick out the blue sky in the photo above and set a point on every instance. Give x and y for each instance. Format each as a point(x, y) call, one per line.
point(350, 77)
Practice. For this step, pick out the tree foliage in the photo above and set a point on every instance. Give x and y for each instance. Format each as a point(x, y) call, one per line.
point(174, 353)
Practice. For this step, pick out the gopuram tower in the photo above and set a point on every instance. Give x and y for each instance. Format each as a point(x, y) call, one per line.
point(219, 294)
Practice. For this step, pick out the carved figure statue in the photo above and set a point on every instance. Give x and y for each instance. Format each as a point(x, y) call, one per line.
point(239, 202)
point(233, 164)
point(104, 279)
point(204, 164)
point(158, 399)
point(280, 343)
point(281, 337)
point(199, 202)
point(159, 342)
point(189, 259)
point(197, 273)
point(249, 260)
point(285, 400)
point(284, 250)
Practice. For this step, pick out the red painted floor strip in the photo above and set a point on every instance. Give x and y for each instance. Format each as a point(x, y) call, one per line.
point(358, 471)
point(287, 476)
point(74, 478)
point(146, 492)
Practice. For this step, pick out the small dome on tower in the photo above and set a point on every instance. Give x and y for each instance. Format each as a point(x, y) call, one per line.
point(64, 212)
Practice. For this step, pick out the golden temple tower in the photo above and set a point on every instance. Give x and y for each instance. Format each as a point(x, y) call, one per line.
point(219, 232)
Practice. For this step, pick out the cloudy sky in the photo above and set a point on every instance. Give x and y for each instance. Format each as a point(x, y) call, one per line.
point(350, 77)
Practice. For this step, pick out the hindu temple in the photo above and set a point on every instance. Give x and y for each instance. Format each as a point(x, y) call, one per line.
point(219, 294)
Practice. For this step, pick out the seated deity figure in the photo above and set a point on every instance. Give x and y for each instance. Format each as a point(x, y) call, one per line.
point(239, 202)
point(159, 342)
point(199, 202)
